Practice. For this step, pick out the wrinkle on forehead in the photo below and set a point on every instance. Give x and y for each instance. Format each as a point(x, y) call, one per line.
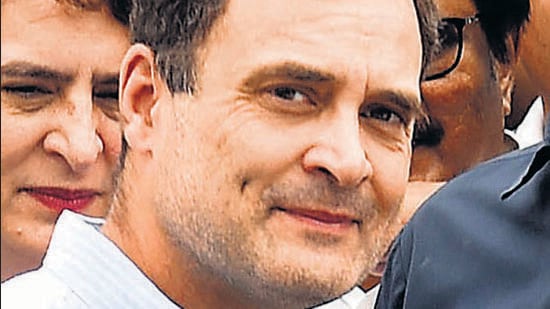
point(376, 25)
point(360, 17)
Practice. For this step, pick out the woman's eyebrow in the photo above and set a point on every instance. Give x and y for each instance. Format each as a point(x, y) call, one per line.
point(28, 69)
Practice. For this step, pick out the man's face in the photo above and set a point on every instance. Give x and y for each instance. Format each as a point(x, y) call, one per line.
point(60, 136)
point(535, 46)
point(465, 107)
point(292, 159)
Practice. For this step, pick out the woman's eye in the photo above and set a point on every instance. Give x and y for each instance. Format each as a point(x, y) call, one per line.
point(26, 91)
point(27, 98)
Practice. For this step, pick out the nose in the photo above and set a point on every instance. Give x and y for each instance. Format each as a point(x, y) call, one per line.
point(75, 138)
point(339, 153)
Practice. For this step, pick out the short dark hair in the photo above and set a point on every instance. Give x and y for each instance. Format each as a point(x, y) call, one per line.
point(501, 19)
point(174, 30)
point(428, 18)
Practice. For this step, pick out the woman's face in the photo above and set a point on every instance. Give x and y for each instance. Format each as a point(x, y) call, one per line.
point(60, 135)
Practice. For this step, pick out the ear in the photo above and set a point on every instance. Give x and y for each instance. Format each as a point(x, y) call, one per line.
point(506, 81)
point(140, 90)
point(505, 76)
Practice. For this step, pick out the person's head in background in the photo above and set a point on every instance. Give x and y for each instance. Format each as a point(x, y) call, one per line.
point(60, 133)
point(466, 95)
point(533, 69)
point(467, 105)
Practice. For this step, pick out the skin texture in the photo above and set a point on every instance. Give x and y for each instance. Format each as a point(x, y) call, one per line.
point(293, 155)
point(58, 130)
point(533, 69)
point(468, 105)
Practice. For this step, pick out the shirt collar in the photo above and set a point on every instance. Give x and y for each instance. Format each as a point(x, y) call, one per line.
point(95, 269)
point(540, 157)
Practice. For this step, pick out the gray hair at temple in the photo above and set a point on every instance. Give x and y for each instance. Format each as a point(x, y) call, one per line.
point(174, 30)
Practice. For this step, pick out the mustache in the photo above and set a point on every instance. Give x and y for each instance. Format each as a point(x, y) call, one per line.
point(321, 195)
point(428, 133)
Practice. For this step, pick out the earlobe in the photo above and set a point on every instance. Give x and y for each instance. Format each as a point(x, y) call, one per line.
point(139, 94)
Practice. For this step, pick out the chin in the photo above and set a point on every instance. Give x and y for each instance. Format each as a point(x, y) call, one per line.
point(312, 275)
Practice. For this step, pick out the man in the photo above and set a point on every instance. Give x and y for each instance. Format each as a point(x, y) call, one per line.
point(532, 90)
point(466, 95)
point(480, 242)
point(256, 158)
point(61, 136)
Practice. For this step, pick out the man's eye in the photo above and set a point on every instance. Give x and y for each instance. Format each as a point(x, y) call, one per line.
point(107, 95)
point(289, 94)
point(448, 36)
point(383, 114)
point(108, 103)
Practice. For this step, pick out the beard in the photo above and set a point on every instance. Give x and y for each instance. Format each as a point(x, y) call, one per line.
point(220, 228)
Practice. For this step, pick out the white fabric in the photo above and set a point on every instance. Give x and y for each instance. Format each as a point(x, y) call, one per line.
point(530, 130)
point(354, 299)
point(83, 269)
point(370, 298)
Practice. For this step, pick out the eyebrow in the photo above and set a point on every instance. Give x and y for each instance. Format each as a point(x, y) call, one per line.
point(405, 100)
point(28, 69)
point(288, 70)
point(297, 71)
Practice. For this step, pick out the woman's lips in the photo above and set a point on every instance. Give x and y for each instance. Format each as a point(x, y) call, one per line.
point(58, 199)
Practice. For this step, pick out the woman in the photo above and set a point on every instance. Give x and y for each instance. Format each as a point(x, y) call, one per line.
point(60, 134)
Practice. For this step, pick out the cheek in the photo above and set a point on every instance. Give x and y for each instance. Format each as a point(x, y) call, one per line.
point(463, 99)
point(449, 95)
point(390, 173)
point(111, 135)
point(20, 137)
point(261, 147)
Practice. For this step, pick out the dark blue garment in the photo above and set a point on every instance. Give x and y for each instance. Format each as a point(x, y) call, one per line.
point(482, 241)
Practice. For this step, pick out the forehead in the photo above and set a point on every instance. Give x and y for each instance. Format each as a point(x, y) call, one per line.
point(347, 37)
point(46, 32)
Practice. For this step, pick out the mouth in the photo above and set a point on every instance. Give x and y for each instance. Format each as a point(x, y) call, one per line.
point(58, 199)
point(320, 218)
point(428, 134)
